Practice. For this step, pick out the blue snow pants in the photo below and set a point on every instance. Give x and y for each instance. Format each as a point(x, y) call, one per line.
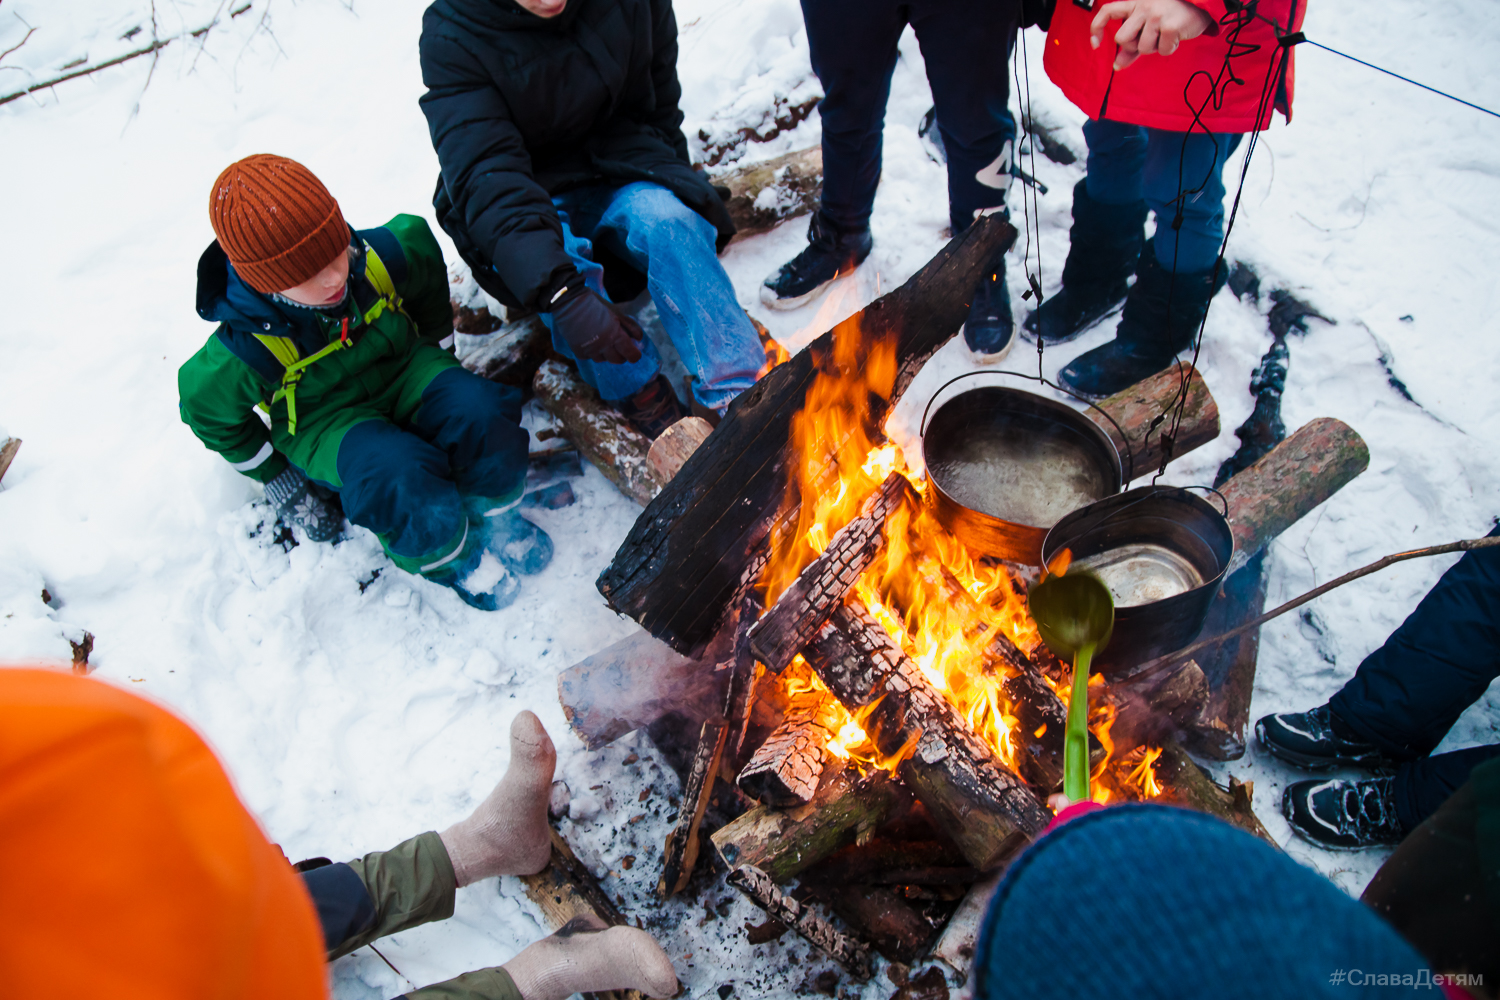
point(1407, 694)
point(966, 47)
point(408, 484)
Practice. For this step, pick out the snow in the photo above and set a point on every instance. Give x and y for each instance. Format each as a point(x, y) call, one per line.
point(356, 706)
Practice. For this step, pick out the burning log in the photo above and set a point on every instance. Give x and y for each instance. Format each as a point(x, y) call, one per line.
point(601, 433)
point(1136, 410)
point(681, 851)
point(564, 891)
point(680, 564)
point(804, 606)
point(783, 842)
point(630, 685)
point(1153, 707)
point(851, 954)
point(512, 356)
point(744, 673)
point(785, 770)
point(1185, 784)
point(973, 797)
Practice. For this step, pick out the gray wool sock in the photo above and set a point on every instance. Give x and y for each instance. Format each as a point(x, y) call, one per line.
point(508, 834)
point(583, 957)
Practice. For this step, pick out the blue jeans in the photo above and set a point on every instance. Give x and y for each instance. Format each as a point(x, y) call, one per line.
point(1130, 162)
point(645, 224)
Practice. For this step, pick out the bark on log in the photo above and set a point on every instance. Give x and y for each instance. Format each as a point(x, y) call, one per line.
point(784, 771)
point(765, 195)
point(744, 674)
point(676, 445)
point(631, 684)
point(1135, 409)
point(851, 954)
point(565, 891)
point(680, 854)
point(973, 797)
point(513, 355)
point(602, 434)
point(783, 842)
point(683, 559)
point(955, 947)
point(803, 607)
point(878, 915)
point(1184, 783)
point(8, 449)
point(1294, 477)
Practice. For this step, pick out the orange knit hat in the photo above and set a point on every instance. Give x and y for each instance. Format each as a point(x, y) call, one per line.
point(277, 223)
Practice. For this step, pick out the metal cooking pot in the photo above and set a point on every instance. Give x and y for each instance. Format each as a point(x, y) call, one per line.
point(1006, 465)
point(1162, 552)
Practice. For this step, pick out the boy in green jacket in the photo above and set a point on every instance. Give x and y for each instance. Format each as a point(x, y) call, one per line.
point(344, 340)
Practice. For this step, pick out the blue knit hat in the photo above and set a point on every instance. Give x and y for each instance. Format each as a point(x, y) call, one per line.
point(1143, 901)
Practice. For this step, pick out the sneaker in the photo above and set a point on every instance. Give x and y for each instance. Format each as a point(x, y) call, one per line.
point(1343, 815)
point(830, 254)
point(1317, 741)
point(520, 546)
point(990, 331)
point(931, 138)
point(653, 408)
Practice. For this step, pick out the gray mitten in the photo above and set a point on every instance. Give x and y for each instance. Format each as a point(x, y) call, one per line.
point(295, 502)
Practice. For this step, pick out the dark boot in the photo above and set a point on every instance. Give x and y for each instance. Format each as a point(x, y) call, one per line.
point(652, 408)
point(1103, 249)
point(830, 252)
point(1161, 317)
point(1343, 815)
point(1316, 740)
point(990, 330)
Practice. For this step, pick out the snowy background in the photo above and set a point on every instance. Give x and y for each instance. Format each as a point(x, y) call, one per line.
point(355, 711)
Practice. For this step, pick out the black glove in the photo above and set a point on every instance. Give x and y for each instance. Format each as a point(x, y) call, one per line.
point(594, 330)
point(298, 503)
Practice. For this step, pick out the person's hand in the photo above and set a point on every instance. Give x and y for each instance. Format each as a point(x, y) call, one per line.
point(1158, 26)
point(595, 331)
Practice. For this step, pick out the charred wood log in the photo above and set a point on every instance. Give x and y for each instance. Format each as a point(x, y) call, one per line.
point(785, 770)
point(1185, 784)
point(680, 854)
point(633, 683)
point(744, 675)
point(565, 891)
point(601, 433)
point(847, 808)
point(853, 955)
point(513, 355)
point(803, 607)
point(973, 797)
point(1152, 708)
point(896, 929)
point(676, 570)
point(885, 861)
point(1140, 439)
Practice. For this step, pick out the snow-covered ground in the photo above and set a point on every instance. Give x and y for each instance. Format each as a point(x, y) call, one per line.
point(354, 712)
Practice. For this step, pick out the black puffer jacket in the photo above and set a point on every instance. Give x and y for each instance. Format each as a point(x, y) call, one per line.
point(521, 108)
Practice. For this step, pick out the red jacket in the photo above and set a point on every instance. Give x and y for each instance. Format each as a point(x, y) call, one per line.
point(1163, 91)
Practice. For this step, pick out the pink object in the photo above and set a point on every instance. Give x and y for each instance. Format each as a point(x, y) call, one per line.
point(1072, 812)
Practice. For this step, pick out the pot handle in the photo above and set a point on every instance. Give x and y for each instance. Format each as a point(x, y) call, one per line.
point(1222, 498)
point(1129, 451)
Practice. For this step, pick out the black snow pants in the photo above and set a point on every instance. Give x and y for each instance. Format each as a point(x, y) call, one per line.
point(1407, 694)
point(966, 47)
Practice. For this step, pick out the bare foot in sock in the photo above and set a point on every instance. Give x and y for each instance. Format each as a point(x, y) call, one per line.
point(584, 957)
point(508, 834)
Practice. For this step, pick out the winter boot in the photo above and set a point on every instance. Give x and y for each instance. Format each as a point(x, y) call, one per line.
point(1161, 317)
point(990, 330)
point(830, 253)
point(478, 575)
point(521, 546)
point(1103, 250)
point(653, 408)
point(1316, 741)
point(1343, 815)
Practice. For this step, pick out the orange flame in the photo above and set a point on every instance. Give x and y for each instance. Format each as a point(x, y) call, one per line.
point(1144, 774)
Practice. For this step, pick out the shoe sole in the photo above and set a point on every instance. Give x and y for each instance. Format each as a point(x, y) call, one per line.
point(990, 359)
point(1031, 335)
point(770, 300)
point(1321, 844)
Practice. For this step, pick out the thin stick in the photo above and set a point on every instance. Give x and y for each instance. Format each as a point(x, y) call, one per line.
point(1374, 567)
point(161, 44)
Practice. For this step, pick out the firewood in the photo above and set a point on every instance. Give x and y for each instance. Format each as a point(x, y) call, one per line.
point(564, 891)
point(600, 431)
point(1185, 784)
point(887, 861)
point(804, 606)
point(1136, 409)
point(955, 947)
point(680, 854)
point(513, 355)
point(973, 797)
point(764, 195)
point(631, 684)
point(784, 842)
point(676, 445)
point(893, 927)
point(744, 674)
point(679, 565)
point(8, 449)
point(1152, 707)
point(851, 954)
point(784, 771)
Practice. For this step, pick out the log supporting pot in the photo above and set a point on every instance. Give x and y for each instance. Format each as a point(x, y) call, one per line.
point(1006, 465)
point(1162, 551)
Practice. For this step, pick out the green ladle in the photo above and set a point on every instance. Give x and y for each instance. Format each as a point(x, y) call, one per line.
point(1075, 615)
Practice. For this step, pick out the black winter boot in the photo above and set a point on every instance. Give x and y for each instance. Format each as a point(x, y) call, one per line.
point(1161, 317)
point(990, 332)
point(1103, 249)
point(830, 252)
point(1343, 815)
point(1316, 740)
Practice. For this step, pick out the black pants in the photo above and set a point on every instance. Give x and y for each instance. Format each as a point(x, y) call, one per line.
point(1407, 694)
point(966, 46)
